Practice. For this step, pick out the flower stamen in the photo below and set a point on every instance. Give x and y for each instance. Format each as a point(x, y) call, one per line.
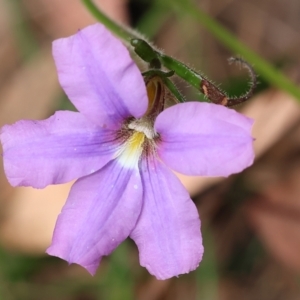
point(145, 126)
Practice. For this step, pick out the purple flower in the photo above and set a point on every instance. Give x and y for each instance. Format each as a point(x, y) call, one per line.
point(121, 148)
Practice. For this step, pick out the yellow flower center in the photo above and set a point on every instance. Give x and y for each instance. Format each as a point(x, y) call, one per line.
point(130, 152)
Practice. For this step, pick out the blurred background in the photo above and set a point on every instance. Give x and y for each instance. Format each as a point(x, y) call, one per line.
point(250, 221)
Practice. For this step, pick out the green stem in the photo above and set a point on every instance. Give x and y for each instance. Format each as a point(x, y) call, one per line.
point(156, 59)
point(181, 70)
point(119, 30)
point(265, 69)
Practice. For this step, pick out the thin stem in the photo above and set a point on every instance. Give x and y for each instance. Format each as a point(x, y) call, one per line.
point(119, 30)
point(181, 70)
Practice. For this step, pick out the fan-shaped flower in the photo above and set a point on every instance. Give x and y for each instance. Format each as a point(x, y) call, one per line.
point(121, 145)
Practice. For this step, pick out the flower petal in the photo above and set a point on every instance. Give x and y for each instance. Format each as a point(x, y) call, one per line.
point(56, 150)
point(204, 139)
point(99, 76)
point(168, 231)
point(100, 213)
